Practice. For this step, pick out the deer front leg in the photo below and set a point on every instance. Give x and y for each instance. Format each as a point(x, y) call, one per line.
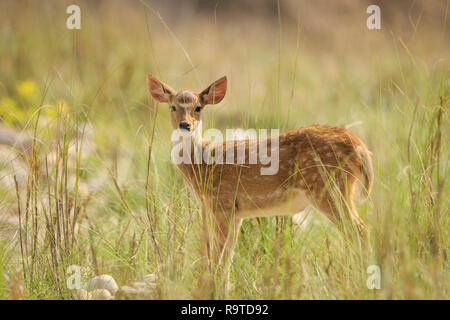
point(225, 234)
point(221, 229)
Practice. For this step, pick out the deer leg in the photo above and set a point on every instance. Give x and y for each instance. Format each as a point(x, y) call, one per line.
point(362, 228)
point(226, 231)
point(339, 205)
point(353, 213)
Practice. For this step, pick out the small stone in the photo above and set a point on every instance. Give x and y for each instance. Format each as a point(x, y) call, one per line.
point(83, 295)
point(127, 292)
point(138, 290)
point(103, 281)
point(101, 294)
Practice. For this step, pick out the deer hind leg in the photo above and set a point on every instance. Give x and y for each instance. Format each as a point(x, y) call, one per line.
point(361, 226)
point(336, 200)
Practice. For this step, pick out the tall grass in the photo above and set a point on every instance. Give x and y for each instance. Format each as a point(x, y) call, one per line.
point(101, 192)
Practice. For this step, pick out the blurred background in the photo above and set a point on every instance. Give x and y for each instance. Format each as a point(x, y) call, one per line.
point(289, 63)
point(266, 48)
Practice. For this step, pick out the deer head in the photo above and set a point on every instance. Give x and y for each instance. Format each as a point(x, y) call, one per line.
point(186, 106)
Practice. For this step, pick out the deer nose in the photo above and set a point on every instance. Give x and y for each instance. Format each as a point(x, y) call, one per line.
point(185, 125)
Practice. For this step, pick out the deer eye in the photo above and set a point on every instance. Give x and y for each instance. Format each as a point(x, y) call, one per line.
point(174, 109)
point(198, 109)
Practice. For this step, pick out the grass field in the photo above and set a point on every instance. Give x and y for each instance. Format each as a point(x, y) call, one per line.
point(96, 186)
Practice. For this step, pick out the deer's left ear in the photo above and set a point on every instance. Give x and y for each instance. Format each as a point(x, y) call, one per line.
point(215, 92)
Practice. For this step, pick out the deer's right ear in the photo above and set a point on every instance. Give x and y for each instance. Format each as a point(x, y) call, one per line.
point(160, 91)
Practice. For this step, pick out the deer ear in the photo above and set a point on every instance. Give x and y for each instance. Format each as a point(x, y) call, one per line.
point(215, 92)
point(160, 91)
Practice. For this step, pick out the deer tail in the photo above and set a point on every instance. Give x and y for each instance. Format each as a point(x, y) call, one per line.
point(366, 169)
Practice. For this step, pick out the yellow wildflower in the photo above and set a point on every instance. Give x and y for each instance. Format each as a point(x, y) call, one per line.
point(52, 111)
point(9, 111)
point(26, 88)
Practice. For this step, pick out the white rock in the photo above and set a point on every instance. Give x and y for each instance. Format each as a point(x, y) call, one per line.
point(101, 294)
point(135, 293)
point(140, 285)
point(103, 281)
point(83, 295)
point(128, 290)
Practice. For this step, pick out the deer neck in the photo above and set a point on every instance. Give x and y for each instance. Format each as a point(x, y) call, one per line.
point(194, 145)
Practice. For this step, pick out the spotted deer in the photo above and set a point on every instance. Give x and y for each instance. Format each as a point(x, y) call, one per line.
point(318, 165)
